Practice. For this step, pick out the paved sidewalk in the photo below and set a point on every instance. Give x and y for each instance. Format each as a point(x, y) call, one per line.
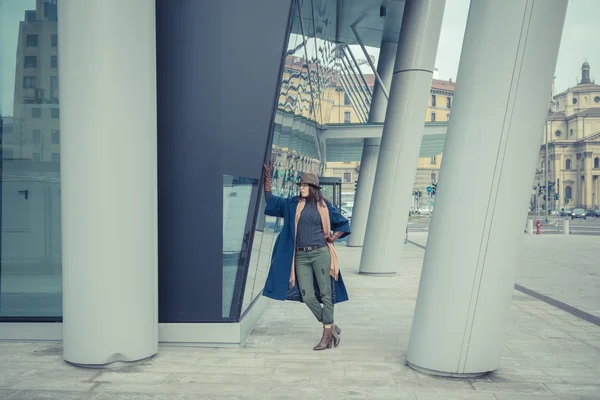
point(549, 354)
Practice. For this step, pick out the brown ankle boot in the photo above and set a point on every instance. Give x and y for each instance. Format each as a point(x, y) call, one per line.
point(326, 340)
point(335, 334)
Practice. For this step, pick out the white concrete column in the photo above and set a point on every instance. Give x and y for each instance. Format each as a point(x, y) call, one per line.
point(510, 49)
point(578, 197)
point(401, 138)
point(588, 180)
point(107, 64)
point(597, 195)
point(368, 162)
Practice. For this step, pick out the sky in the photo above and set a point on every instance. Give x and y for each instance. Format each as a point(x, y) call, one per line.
point(580, 41)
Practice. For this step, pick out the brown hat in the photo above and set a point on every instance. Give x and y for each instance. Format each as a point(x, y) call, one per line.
point(309, 179)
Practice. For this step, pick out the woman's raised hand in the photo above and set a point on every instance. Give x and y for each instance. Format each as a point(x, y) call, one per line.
point(267, 180)
point(268, 168)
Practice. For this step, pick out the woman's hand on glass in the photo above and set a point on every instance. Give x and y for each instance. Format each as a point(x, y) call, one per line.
point(269, 168)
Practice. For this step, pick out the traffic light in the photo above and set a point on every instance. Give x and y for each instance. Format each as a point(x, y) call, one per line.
point(433, 188)
point(355, 185)
point(540, 189)
point(555, 196)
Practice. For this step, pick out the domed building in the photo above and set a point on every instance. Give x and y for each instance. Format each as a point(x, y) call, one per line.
point(572, 135)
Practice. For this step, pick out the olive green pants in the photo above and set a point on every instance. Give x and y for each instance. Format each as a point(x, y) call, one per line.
point(315, 263)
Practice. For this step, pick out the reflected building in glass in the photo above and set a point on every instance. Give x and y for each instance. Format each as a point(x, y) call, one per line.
point(30, 268)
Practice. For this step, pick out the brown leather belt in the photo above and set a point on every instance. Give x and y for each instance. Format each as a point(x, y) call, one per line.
point(311, 248)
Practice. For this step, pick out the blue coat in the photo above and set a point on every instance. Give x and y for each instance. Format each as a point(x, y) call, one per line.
point(277, 285)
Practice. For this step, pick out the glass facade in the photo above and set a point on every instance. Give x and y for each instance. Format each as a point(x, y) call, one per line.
point(317, 78)
point(30, 234)
point(237, 195)
point(311, 85)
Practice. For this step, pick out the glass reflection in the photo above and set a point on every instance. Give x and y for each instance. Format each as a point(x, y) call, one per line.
point(321, 83)
point(307, 95)
point(237, 193)
point(30, 234)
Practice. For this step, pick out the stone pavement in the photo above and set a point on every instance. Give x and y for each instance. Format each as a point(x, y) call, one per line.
point(549, 354)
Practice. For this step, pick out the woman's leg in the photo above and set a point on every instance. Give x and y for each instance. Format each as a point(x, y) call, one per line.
point(304, 275)
point(321, 261)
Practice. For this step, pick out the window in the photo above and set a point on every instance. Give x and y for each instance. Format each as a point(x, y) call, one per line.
point(558, 133)
point(32, 40)
point(54, 82)
point(30, 16)
point(347, 116)
point(50, 11)
point(54, 113)
point(568, 193)
point(597, 162)
point(54, 40)
point(237, 193)
point(347, 177)
point(568, 164)
point(571, 132)
point(29, 82)
point(597, 99)
point(433, 176)
point(53, 61)
point(55, 136)
point(346, 99)
point(433, 100)
point(433, 161)
point(30, 62)
point(30, 206)
point(55, 157)
point(574, 101)
point(448, 102)
point(432, 117)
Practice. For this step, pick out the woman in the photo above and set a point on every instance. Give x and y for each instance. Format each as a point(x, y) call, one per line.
point(304, 265)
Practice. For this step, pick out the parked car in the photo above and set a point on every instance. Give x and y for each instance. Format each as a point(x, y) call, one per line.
point(578, 213)
point(597, 213)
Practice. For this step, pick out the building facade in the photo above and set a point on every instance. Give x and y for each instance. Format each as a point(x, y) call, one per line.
point(439, 108)
point(570, 152)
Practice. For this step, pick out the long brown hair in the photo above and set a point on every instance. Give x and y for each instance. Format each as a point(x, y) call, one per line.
point(315, 195)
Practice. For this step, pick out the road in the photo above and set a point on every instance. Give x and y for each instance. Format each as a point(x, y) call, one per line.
point(589, 226)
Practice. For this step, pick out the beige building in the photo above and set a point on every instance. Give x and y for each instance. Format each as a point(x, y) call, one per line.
point(572, 135)
point(438, 110)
